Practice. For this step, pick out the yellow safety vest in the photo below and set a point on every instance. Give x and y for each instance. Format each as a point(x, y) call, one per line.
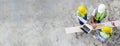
point(81, 15)
point(104, 35)
point(99, 16)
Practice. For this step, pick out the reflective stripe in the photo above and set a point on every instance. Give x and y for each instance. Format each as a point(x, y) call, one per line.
point(104, 35)
point(99, 16)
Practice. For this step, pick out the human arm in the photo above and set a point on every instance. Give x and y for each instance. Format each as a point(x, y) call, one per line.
point(92, 19)
point(94, 25)
point(92, 16)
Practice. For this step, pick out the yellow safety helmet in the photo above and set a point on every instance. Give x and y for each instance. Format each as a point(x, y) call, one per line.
point(106, 29)
point(82, 10)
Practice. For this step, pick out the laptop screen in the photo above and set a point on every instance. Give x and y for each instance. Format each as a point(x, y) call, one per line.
point(85, 29)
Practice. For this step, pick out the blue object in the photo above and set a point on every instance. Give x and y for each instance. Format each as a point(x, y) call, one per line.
point(80, 22)
point(99, 37)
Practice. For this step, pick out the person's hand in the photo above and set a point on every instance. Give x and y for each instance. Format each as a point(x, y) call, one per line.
point(88, 22)
point(94, 25)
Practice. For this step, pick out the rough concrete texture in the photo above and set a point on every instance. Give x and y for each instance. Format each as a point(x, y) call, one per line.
point(42, 22)
point(114, 15)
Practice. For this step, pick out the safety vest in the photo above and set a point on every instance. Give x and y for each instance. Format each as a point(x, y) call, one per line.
point(104, 35)
point(81, 15)
point(99, 16)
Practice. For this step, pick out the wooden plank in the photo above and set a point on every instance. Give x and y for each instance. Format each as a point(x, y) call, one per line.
point(73, 29)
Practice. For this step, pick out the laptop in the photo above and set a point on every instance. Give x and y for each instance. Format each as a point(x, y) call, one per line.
point(86, 28)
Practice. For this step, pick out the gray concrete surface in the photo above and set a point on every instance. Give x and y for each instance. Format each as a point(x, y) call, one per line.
point(42, 22)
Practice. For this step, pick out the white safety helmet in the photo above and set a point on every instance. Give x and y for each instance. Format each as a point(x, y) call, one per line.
point(101, 8)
